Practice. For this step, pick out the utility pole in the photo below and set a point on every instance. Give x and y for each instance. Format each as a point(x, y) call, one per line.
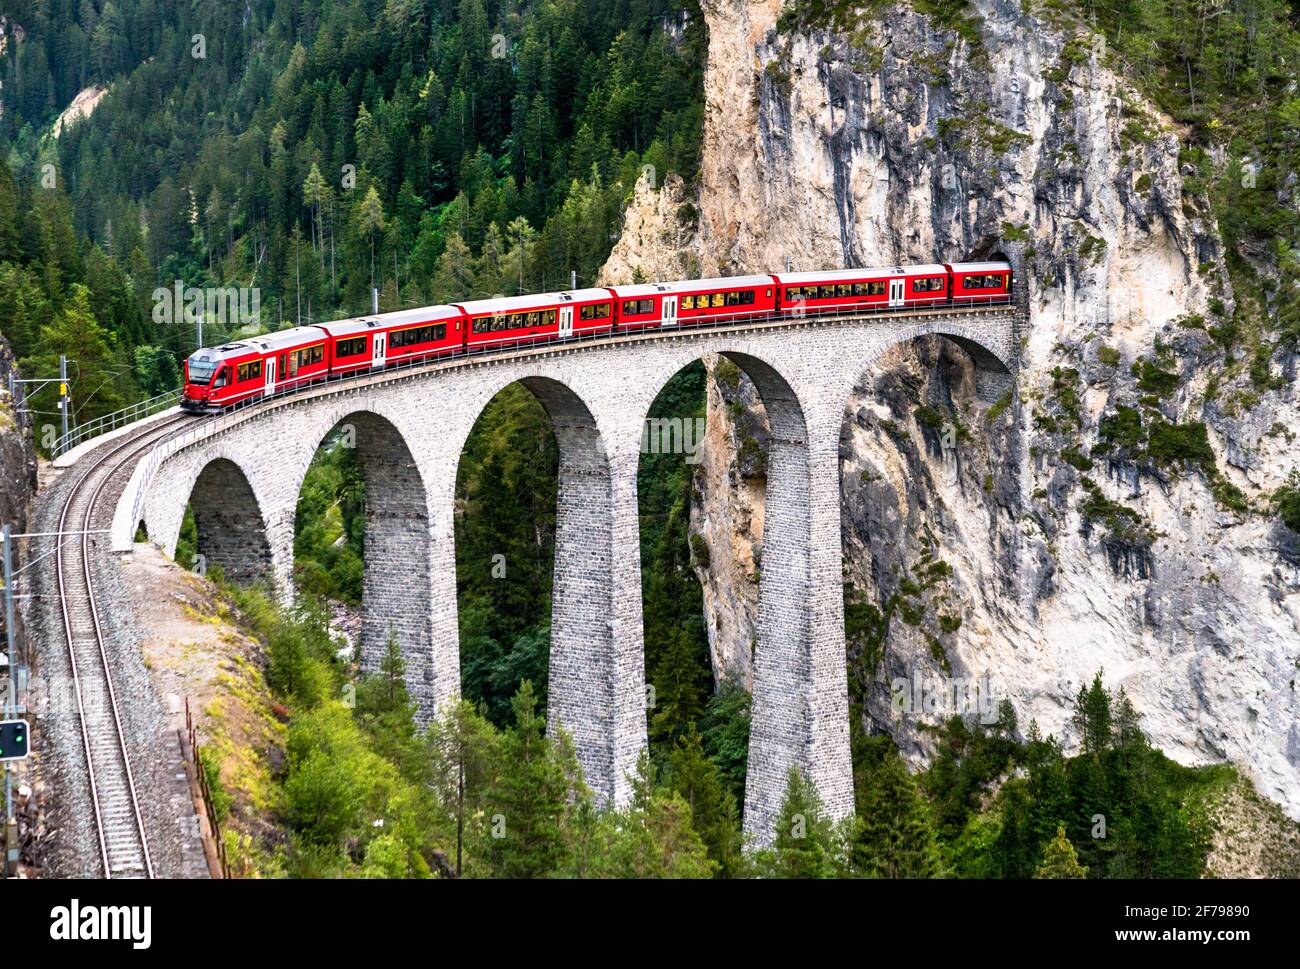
point(374, 300)
point(63, 399)
point(573, 279)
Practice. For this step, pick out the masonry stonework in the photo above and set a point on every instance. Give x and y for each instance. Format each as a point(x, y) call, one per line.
point(410, 429)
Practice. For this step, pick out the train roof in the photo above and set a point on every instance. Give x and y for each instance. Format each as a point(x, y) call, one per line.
point(980, 267)
point(844, 275)
point(364, 324)
point(690, 285)
point(283, 339)
point(513, 304)
point(278, 340)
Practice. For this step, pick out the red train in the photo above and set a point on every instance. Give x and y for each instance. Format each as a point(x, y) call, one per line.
point(256, 366)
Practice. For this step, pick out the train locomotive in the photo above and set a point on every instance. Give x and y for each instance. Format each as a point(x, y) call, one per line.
point(252, 367)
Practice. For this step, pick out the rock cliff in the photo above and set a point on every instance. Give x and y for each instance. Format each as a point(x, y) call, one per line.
point(1109, 514)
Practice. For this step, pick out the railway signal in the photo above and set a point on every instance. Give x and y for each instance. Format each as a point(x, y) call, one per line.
point(13, 740)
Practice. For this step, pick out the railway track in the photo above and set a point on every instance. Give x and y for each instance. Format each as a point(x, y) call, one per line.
point(123, 845)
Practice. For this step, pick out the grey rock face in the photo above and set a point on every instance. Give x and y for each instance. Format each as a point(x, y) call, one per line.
point(908, 143)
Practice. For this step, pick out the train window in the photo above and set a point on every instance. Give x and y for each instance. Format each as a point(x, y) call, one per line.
point(351, 348)
point(733, 299)
point(223, 377)
point(981, 282)
point(415, 334)
point(306, 357)
point(843, 289)
point(500, 322)
point(747, 298)
point(602, 311)
point(482, 324)
point(876, 288)
point(599, 311)
point(919, 285)
point(827, 291)
point(635, 307)
point(859, 289)
point(249, 371)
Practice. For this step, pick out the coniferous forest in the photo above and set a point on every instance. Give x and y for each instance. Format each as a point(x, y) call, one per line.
point(439, 150)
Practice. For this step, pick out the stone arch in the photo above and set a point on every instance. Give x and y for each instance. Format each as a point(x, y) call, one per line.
point(800, 705)
point(595, 693)
point(230, 523)
point(991, 347)
point(397, 590)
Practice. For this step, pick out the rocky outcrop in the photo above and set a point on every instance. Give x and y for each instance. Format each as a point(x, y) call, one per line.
point(17, 456)
point(1050, 535)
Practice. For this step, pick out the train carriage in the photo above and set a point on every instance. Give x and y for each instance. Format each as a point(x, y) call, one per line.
point(697, 301)
point(513, 320)
point(856, 290)
point(373, 342)
point(216, 378)
point(981, 282)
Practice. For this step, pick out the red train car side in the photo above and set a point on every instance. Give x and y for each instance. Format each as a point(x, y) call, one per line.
point(373, 342)
point(981, 282)
point(244, 369)
point(515, 320)
point(218, 377)
point(727, 299)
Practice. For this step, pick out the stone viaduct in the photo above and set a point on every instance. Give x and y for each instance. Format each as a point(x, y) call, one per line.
point(242, 473)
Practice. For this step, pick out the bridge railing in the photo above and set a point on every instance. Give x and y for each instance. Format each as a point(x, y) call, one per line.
point(111, 422)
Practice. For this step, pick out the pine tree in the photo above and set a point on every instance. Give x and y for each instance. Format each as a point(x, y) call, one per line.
point(653, 837)
point(895, 836)
point(531, 798)
point(714, 814)
point(92, 364)
point(806, 844)
point(464, 755)
point(1092, 717)
point(1059, 859)
point(368, 222)
point(454, 279)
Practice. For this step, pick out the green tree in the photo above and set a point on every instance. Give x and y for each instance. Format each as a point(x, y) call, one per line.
point(368, 222)
point(806, 843)
point(1092, 717)
point(653, 837)
point(464, 755)
point(531, 798)
point(714, 813)
point(1059, 859)
point(894, 836)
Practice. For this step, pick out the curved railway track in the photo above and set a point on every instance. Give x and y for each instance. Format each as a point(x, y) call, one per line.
point(123, 845)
